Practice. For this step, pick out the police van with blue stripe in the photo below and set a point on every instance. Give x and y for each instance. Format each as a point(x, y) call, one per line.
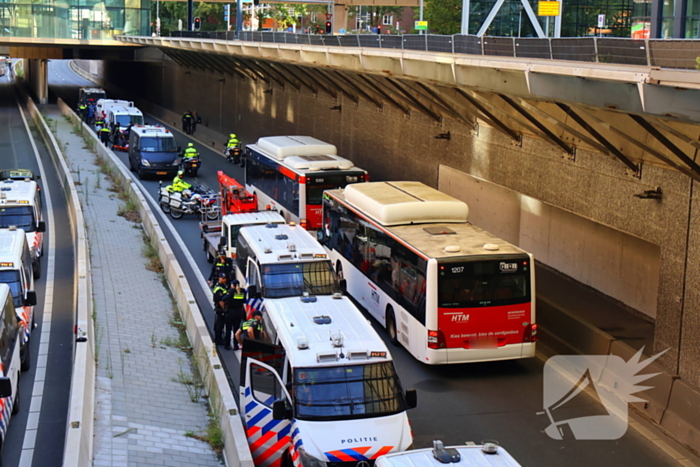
point(10, 341)
point(319, 387)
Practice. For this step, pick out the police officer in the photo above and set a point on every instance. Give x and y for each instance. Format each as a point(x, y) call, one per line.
point(191, 151)
point(179, 184)
point(232, 141)
point(82, 109)
point(220, 297)
point(235, 313)
point(253, 328)
point(222, 264)
point(104, 135)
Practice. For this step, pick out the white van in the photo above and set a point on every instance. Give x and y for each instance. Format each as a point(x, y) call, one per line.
point(16, 272)
point(20, 207)
point(10, 337)
point(103, 105)
point(489, 454)
point(319, 362)
point(124, 115)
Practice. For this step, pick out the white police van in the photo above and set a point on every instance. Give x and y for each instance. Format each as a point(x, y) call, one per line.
point(10, 338)
point(320, 362)
point(16, 272)
point(20, 207)
point(488, 454)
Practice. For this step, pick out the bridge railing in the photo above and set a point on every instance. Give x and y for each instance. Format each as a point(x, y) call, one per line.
point(664, 53)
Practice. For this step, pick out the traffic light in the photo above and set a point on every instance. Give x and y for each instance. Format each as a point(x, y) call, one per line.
point(329, 27)
point(379, 29)
point(197, 24)
point(227, 9)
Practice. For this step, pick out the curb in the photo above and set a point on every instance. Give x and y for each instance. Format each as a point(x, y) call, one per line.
point(236, 451)
point(79, 432)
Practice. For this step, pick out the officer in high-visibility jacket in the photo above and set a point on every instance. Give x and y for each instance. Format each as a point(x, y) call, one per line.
point(232, 141)
point(252, 329)
point(235, 313)
point(104, 135)
point(220, 291)
point(179, 184)
point(191, 151)
point(222, 264)
point(82, 110)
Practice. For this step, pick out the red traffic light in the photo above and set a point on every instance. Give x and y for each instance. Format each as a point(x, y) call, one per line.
point(197, 24)
point(329, 27)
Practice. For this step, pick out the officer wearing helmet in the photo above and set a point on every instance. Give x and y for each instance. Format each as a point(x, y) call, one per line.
point(191, 151)
point(232, 141)
point(179, 184)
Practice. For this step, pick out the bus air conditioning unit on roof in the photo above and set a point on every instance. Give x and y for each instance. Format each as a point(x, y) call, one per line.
point(326, 357)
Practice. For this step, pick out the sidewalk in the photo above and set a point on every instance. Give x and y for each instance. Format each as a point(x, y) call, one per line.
point(147, 396)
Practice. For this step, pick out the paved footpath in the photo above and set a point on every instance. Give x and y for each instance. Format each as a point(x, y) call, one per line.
point(143, 409)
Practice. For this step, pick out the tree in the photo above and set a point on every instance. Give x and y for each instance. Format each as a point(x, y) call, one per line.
point(443, 16)
point(212, 15)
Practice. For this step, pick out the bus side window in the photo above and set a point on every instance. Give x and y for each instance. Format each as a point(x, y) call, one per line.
point(7, 332)
point(27, 262)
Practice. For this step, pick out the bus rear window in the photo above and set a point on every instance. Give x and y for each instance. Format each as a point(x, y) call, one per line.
point(316, 185)
point(484, 283)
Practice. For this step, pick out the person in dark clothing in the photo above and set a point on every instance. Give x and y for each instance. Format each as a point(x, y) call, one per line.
point(235, 313)
point(187, 122)
point(222, 264)
point(253, 328)
point(104, 135)
point(220, 298)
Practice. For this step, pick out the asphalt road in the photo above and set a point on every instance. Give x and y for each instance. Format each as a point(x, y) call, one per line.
point(456, 403)
point(16, 151)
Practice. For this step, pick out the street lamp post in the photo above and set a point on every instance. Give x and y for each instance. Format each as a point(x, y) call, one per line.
point(520, 17)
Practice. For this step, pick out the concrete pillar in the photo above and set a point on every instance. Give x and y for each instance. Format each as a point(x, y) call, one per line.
point(38, 70)
point(340, 18)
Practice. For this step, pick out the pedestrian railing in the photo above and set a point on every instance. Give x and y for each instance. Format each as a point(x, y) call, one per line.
point(664, 53)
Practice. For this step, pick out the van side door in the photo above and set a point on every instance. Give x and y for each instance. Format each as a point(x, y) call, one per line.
point(269, 439)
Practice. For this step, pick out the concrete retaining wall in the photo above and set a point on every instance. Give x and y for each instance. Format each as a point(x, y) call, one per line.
point(221, 397)
point(79, 433)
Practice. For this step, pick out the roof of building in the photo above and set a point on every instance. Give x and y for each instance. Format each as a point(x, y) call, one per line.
point(312, 332)
point(274, 243)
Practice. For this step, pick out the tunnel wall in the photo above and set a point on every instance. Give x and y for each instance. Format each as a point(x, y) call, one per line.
point(392, 146)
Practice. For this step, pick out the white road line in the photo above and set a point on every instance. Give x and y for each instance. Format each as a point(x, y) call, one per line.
point(27, 456)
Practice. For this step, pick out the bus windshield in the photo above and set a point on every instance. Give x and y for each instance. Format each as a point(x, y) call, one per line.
point(347, 392)
point(125, 120)
point(20, 216)
point(317, 184)
point(484, 283)
point(158, 145)
point(11, 278)
point(293, 279)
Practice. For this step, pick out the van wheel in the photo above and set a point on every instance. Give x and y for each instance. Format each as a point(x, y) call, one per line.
point(131, 165)
point(36, 269)
point(286, 460)
point(339, 270)
point(25, 357)
point(391, 325)
point(16, 404)
point(141, 174)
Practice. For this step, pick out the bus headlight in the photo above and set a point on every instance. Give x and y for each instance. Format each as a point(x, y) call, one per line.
point(307, 460)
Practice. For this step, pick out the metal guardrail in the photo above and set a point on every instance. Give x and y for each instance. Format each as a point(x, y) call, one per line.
point(664, 53)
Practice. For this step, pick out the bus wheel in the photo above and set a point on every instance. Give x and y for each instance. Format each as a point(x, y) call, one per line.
point(391, 326)
point(15, 405)
point(36, 270)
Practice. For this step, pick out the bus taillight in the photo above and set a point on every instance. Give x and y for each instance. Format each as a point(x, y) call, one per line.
point(530, 334)
point(304, 224)
point(436, 340)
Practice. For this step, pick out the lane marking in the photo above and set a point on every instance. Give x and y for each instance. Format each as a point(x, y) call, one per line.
point(30, 433)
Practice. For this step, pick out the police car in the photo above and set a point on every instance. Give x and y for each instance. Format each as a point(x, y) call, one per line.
point(487, 454)
point(10, 336)
point(20, 207)
point(16, 272)
point(320, 362)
